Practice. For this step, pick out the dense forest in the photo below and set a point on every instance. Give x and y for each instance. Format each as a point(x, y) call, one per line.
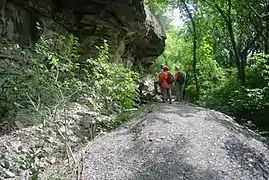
point(223, 48)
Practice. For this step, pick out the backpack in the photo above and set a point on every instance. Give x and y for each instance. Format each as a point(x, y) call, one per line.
point(181, 78)
point(170, 78)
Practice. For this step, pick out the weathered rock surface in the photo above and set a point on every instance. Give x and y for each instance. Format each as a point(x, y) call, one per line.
point(82, 125)
point(134, 35)
point(178, 142)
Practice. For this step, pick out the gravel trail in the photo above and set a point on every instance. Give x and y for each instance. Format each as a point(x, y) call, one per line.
point(176, 142)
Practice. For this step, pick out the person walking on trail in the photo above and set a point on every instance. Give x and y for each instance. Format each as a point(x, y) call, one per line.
point(179, 84)
point(165, 86)
point(156, 82)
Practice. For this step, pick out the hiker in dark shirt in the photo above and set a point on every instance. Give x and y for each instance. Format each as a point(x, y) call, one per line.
point(179, 84)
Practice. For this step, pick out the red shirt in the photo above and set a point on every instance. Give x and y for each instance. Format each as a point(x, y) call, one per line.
point(163, 80)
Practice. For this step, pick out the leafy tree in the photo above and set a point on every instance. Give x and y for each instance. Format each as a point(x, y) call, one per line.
point(232, 40)
point(54, 76)
point(195, 36)
point(240, 25)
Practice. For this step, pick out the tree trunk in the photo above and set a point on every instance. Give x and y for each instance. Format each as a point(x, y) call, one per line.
point(266, 39)
point(194, 49)
point(195, 62)
point(238, 58)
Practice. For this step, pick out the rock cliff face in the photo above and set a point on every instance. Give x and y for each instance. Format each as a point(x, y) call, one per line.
point(133, 33)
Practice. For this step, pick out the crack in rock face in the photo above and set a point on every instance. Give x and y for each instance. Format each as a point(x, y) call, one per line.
point(134, 35)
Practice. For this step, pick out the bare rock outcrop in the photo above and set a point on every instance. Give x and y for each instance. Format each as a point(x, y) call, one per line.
point(134, 35)
point(178, 142)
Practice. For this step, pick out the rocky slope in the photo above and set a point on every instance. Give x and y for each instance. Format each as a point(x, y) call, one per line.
point(133, 33)
point(177, 142)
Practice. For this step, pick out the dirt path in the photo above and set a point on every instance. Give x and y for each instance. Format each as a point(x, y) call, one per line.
point(178, 142)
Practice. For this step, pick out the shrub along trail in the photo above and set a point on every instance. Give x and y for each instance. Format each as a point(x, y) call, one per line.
point(177, 142)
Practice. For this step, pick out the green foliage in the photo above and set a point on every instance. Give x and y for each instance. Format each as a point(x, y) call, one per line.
point(54, 76)
point(112, 80)
point(177, 51)
point(115, 122)
point(191, 90)
point(33, 161)
point(217, 72)
point(158, 6)
point(45, 78)
point(243, 102)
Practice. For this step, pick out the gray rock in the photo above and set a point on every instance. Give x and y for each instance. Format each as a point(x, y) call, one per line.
point(9, 174)
point(196, 144)
point(134, 35)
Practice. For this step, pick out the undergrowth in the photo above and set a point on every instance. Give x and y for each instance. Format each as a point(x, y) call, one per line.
point(39, 88)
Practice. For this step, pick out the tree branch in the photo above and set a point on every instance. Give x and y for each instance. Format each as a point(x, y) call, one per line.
point(255, 12)
point(222, 13)
point(250, 44)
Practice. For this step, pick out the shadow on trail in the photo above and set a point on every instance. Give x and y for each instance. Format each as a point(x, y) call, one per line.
point(186, 111)
point(154, 146)
point(248, 158)
point(168, 163)
point(149, 119)
point(158, 116)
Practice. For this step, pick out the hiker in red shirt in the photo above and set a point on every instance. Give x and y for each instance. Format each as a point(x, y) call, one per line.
point(165, 87)
point(179, 84)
